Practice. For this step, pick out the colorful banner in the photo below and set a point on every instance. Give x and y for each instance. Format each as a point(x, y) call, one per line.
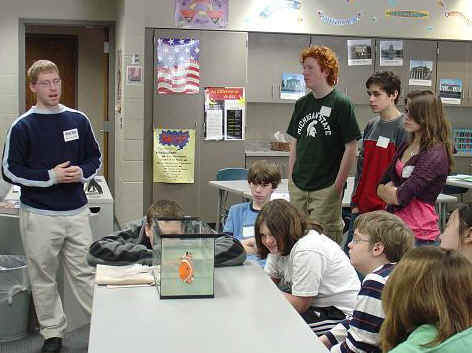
point(201, 13)
point(178, 66)
point(174, 156)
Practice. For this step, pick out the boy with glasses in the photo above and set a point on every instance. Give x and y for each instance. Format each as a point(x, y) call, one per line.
point(50, 152)
point(379, 242)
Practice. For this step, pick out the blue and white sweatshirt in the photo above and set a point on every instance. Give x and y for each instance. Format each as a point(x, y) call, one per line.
point(38, 141)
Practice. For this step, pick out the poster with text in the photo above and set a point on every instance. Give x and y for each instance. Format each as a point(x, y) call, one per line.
point(201, 13)
point(359, 52)
point(450, 90)
point(224, 113)
point(421, 72)
point(391, 53)
point(174, 156)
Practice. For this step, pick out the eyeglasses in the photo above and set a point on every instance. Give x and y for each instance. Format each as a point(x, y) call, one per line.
point(47, 84)
point(357, 240)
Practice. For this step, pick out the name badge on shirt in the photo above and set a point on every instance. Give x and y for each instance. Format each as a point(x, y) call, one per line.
point(325, 111)
point(383, 141)
point(407, 170)
point(71, 135)
point(248, 232)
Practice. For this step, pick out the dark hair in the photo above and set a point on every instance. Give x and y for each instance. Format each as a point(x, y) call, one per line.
point(387, 81)
point(285, 223)
point(465, 220)
point(164, 208)
point(263, 172)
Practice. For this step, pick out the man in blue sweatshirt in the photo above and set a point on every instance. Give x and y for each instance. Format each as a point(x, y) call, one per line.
point(50, 152)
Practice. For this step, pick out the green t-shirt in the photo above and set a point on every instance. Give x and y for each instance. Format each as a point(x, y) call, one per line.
point(461, 342)
point(322, 127)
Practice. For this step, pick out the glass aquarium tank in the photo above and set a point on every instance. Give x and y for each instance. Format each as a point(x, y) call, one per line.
point(185, 250)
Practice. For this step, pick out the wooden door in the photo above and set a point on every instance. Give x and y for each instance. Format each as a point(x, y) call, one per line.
point(60, 49)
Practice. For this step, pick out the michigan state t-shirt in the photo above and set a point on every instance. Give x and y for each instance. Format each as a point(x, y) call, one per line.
point(322, 127)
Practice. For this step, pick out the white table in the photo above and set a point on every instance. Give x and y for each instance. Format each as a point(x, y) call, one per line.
point(241, 187)
point(451, 180)
point(248, 314)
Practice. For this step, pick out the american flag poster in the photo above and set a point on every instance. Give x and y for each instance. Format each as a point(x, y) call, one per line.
point(178, 66)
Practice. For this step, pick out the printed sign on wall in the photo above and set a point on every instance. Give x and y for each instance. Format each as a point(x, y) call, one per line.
point(174, 156)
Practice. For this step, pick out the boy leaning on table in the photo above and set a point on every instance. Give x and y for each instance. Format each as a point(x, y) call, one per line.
point(263, 178)
point(379, 242)
point(133, 244)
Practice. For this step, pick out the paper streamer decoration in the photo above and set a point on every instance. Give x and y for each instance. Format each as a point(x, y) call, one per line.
point(278, 5)
point(448, 13)
point(416, 14)
point(339, 21)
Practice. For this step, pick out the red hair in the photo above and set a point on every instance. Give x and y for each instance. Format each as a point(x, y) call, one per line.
point(327, 60)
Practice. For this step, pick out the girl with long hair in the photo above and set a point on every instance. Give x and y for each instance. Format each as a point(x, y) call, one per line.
point(428, 303)
point(310, 268)
point(420, 167)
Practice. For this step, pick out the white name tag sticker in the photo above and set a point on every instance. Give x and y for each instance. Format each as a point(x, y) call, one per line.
point(248, 232)
point(383, 141)
point(71, 135)
point(407, 170)
point(325, 111)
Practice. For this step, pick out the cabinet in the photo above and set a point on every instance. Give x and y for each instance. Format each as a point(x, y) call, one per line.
point(351, 79)
point(454, 62)
point(223, 62)
point(269, 55)
point(412, 50)
point(279, 158)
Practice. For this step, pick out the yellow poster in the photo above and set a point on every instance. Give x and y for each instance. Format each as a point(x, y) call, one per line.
point(174, 156)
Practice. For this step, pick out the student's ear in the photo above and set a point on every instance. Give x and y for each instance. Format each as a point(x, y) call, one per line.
point(378, 249)
point(32, 88)
point(395, 95)
point(468, 236)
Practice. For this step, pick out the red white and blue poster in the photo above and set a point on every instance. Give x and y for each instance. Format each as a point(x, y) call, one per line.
point(178, 66)
point(201, 13)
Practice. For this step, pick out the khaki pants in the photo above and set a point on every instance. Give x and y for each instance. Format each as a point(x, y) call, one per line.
point(322, 207)
point(44, 237)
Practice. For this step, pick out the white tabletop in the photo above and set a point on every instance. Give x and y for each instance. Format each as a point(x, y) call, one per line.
point(457, 181)
point(248, 314)
point(93, 198)
point(241, 187)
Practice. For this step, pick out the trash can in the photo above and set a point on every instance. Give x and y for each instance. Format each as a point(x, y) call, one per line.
point(15, 297)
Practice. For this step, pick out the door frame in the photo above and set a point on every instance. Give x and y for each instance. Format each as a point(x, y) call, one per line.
point(110, 25)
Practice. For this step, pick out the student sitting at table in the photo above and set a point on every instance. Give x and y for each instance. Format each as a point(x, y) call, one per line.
point(133, 244)
point(427, 302)
point(263, 178)
point(458, 232)
point(380, 240)
point(309, 267)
